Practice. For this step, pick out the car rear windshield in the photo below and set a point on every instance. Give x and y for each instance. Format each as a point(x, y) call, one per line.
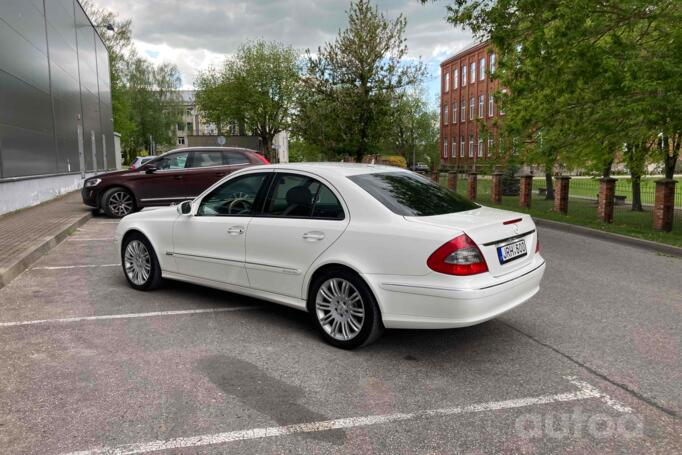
point(410, 194)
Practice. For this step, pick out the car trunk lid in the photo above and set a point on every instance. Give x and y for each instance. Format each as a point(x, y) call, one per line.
point(490, 228)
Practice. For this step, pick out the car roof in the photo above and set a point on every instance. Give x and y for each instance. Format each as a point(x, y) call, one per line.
point(334, 168)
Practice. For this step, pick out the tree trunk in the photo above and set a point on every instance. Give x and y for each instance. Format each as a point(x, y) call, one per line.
point(549, 183)
point(636, 192)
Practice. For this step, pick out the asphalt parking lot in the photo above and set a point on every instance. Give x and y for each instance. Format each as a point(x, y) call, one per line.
point(592, 364)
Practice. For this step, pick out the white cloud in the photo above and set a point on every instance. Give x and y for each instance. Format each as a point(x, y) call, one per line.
point(200, 33)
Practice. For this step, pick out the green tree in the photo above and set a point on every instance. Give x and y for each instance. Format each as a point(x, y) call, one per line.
point(144, 97)
point(592, 76)
point(351, 83)
point(153, 91)
point(256, 89)
point(412, 129)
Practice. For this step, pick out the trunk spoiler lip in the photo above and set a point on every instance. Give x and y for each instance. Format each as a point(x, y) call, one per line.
point(514, 237)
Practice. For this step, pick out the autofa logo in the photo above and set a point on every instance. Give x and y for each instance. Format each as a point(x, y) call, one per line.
point(563, 425)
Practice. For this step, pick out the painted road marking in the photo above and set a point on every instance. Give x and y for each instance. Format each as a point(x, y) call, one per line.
point(585, 391)
point(615, 404)
point(61, 267)
point(97, 239)
point(127, 316)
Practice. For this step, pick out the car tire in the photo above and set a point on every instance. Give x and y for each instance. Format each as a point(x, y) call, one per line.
point(140, 264)
point(118, 202)
point(336, 300)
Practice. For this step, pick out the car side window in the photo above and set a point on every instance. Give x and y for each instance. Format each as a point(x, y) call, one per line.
point(236, 158)
point(300, 196)
point(236, 197)
point(326, 205)
point(172, 161)
point(206, 158)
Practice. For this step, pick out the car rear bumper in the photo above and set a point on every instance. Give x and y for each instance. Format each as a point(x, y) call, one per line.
point(411, 304)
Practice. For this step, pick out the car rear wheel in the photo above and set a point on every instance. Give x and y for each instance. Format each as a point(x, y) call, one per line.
point(118, 202)
point(140, 264)
point(344, 310)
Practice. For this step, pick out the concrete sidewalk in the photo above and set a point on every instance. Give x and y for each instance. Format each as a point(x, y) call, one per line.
point(28, 234)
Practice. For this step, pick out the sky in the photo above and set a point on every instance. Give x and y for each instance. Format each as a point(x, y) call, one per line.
point(197, 34)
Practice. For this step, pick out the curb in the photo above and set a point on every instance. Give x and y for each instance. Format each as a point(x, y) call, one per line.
point(611, 237)
point(39, 250)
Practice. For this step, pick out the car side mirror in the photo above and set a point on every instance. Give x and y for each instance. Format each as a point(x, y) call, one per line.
point(184, 208)
point(151, 169)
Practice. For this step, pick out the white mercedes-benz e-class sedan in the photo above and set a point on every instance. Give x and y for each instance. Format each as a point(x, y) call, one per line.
point(360, 247)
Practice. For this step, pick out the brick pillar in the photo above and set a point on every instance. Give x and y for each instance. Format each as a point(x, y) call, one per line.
point(607, 191)
point(664, 207)
point(496, 193)
point(526, 193)
point(561, 194)
point(435, 176)
point(452, 180)
point(472, 182)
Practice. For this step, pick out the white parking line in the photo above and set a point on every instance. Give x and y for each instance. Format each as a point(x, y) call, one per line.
point(585, 391)
point(615, 404)
point(127, 316)
point(60, 267)
point(96, 239)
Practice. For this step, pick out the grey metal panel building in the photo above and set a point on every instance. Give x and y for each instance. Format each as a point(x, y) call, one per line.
point(54, 92)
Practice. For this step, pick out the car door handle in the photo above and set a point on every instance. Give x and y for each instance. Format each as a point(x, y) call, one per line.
point(313, 236)
point(178, 177)
point(236, 230)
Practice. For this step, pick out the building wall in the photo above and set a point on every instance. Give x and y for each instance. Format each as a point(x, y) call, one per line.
point(455, 91)
point(192, 122)
point(54, 83)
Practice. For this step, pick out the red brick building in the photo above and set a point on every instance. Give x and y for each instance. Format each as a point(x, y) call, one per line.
point(467, 98)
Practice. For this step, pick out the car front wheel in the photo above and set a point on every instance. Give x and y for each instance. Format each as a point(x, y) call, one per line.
point(118, 202)
point(140, 264)
point(344, 310)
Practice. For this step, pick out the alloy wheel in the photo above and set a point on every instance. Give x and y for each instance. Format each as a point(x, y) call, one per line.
point(340, 309)
point(138, 263)
point(120, 203)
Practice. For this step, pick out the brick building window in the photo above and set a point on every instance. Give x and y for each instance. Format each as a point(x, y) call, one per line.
point(490, 145)
point(480, 147)
point(464, 75)
point(472, 108)
point(492, 63)
point(481, 106)
point(463, 114)
point(461, 147)
point(455, 78)
point(453, 150)
point(446, 82)
point(445, 147)
point(446, 114)
point(454, 112)
point(481, 69)
point(473, 72)
point(491, 105)
point(471, 146)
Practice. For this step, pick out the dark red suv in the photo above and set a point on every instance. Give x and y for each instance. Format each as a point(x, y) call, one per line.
point(174, 176)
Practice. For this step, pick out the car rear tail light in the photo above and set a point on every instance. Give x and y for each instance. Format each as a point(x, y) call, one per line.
point(459, 256)
point(516, 220)
point(262, 158)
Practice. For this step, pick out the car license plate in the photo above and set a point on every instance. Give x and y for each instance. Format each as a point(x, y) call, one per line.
point(511, 251)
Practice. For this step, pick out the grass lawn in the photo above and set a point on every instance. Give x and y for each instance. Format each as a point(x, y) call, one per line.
point(584, 212)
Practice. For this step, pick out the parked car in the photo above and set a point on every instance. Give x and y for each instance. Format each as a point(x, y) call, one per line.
point(360, 247)
point(139, 161)
point(172, 177)
point(421, 167)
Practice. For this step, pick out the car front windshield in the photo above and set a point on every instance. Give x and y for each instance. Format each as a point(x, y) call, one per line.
point(409, 194)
